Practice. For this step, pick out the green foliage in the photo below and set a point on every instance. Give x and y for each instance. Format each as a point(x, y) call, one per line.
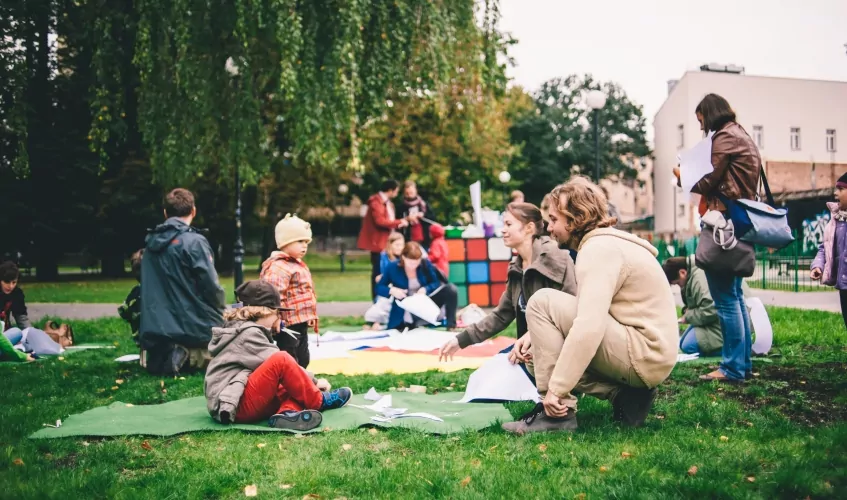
point(559, 136)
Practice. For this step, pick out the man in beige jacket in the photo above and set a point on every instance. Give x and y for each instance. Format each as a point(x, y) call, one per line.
point(617, 338)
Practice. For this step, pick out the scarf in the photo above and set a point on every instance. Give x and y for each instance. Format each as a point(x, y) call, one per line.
point(417, 201)
point(840, 216)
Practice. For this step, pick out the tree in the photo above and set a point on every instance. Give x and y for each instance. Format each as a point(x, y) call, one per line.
point(557, 139)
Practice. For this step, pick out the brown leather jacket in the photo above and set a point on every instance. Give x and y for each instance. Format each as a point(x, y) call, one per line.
point(736, 160)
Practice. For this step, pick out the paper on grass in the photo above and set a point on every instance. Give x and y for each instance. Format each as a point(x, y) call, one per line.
point(761, 326)
point(500, 380)
point(682, 357)
point(427, 416)
point(695, 163)
point(127, 358)
point(421, 306)
point(372, 395)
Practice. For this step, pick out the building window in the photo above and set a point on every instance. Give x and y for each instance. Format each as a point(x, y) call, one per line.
point(795, 138)
point(759, 136)
point(680, 211)
point(830, 140)
point(681, 141)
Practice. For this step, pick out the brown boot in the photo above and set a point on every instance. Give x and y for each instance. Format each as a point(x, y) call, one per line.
point(631, 406)
point(538, 421)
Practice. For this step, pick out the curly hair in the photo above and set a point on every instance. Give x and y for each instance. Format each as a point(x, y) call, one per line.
point(248, 313)
point(583, 206)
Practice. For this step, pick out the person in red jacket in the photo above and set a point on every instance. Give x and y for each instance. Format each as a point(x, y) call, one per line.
point(438, 249)
point(378, 223)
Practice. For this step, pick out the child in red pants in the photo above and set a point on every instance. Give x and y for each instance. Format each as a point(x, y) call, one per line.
point(249, 379)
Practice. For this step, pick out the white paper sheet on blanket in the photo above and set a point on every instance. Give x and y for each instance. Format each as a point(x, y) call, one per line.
point(420, 339)
point(500, 380)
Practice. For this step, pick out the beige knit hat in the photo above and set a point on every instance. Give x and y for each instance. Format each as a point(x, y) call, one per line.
point(291, 229)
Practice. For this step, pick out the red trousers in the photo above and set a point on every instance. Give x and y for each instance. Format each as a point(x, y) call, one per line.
point(278, 385)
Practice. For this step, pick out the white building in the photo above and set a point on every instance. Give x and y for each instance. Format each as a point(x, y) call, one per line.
point(796, 124)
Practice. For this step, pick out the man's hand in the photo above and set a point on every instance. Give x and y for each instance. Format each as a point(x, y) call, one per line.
point(324, 385)
point(448, 349)
point(520, 352)
point(554, 406)
point(397, 293)
point(314, 324)
point(403, 223)
point(816, 274)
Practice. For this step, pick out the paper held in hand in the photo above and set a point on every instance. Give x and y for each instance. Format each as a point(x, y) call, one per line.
point(696, 163)
point(421, 306)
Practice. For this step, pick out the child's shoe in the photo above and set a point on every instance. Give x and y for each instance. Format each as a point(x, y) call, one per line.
point(305, 420)
point(336, 399)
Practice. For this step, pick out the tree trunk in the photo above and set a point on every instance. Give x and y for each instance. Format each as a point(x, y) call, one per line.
point(112, 264)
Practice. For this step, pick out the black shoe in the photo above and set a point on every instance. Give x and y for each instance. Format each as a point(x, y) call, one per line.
point(631, 406)
point(337, 398)
point(536, 420)
point(305, 420)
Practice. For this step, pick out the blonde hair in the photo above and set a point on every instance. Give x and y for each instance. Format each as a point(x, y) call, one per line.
point(391, 239)
point(248, 313)
point(583, 206)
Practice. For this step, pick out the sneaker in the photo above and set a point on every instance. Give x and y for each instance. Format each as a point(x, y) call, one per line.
point(305, 420)
point(536, 420)
point(631, 406)
point(719, 376)
point(336, 399)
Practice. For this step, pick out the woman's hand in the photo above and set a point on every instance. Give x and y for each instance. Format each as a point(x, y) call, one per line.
point(314, 324)
point(816, 274)
point(449, 349)
point(29, 357)
point(520, 352)
point(378, 279)
point(398, 293)
point(323, 384)
point(554, 406)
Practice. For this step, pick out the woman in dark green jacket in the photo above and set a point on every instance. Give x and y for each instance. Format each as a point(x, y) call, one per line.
point(539, 263)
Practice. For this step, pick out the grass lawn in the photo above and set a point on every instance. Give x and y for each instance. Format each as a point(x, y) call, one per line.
point(783, 435)
point(331, 284)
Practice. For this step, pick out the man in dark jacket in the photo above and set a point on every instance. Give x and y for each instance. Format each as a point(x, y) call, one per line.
point(181, 299)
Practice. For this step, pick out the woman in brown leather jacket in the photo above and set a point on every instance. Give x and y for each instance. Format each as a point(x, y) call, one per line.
point(736, 163)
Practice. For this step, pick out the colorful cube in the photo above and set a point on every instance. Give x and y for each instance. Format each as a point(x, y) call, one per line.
point(477, 249)
point(456, 250)
point(478, 272)
point(497, 290)
point(463, 295)
point(499, 271)
point(458, 273)
point(479, 295)
point(497, 250)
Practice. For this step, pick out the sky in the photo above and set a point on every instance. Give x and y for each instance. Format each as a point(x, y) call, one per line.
point(641, 44)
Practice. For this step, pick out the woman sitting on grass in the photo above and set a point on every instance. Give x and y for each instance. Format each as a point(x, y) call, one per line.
point(32, 341)
point(249, 379)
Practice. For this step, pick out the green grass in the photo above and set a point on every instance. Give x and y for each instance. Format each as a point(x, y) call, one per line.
point(330, 283)
point(769, 430)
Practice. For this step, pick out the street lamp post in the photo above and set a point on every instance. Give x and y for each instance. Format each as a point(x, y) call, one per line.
point(675, 207)
point(238, 250)
point(596, 100)
point(504, 178)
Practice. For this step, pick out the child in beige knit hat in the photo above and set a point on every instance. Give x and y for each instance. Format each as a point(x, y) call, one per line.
point(286, 270)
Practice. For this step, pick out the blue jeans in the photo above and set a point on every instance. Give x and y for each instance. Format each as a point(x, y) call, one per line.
point(735, 325)
point(14, 335)
point(688, 341)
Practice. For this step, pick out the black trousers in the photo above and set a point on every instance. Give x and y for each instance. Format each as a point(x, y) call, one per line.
point(298, 348)
point(843, 295)
point(375, 258)
point(448, 298)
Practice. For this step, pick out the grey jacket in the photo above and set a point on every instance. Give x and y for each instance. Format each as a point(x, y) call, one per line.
point(551, 267)
point(237, 349)
point(181, 299)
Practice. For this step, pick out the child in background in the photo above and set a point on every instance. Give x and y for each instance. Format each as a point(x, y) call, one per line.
point(829, 264)
point(249, 379)
point(391, 254)
point(130, 310)
point(287, 272)
point(438, 249)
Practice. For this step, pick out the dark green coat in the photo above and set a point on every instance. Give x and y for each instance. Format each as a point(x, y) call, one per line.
point(181, 299)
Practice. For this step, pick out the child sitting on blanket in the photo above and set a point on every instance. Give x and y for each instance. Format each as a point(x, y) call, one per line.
point(249, 379)
point(286, 271)
point(130, 310)
point(29, 341)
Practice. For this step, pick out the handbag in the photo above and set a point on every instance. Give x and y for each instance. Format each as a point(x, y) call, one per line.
point(720, 251)
point(760, 223)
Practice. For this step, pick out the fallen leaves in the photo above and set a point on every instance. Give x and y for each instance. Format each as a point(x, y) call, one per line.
point(251, 490)
point(346, 447)
point(465, 482)
point(625, 454)
point(542, 448)
point(119, 381)
point(750, 479)
point(311, 496)
point(372, 431)
point(724, 439)
point(476, 462)
point(18, 462)
point(114, 388)
point(146, 445)
point(286, 486)
point(261, 445)
point(603, 468)
point(693, 470)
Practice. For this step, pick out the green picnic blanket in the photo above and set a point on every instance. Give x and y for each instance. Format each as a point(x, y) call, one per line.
point(190, 415)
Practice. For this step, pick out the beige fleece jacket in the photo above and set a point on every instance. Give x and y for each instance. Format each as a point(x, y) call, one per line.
point(618, 275)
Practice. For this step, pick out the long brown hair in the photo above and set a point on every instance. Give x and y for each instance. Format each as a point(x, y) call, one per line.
point(412, 250)
point(716, 112)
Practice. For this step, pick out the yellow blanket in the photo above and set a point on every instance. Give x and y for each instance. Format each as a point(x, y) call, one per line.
point(376, 363)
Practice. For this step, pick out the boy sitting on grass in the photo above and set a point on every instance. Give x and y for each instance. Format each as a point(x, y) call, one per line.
point(249, 379)
point(30, 341)
point(130, 310)
point(287, 272)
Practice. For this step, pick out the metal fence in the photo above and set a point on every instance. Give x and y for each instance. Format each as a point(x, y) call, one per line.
point(785, 269)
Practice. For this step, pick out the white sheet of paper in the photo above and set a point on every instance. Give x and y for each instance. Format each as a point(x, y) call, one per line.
point(128, 358)
point(682, 358)
point(498, 379)
point(421, 306)
point(761, 326)
point(372, 395)
point(428, 416)
point(695, 163)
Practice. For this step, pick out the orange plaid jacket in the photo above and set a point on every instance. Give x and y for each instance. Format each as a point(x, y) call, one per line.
point(294, 281)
